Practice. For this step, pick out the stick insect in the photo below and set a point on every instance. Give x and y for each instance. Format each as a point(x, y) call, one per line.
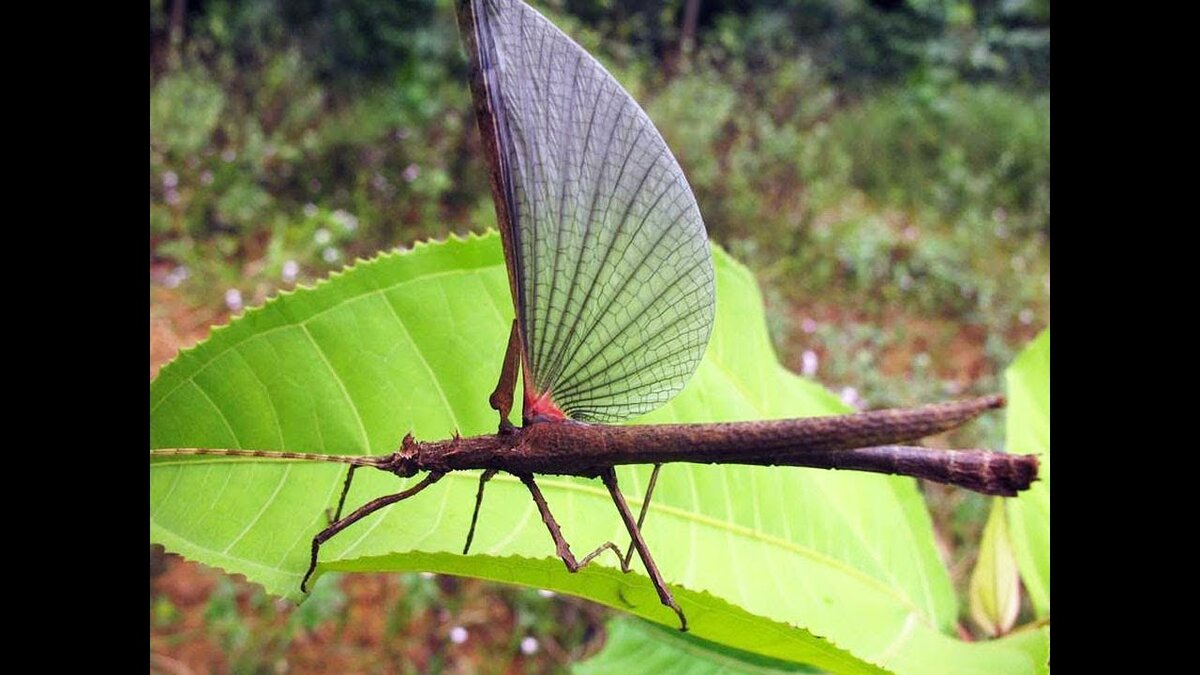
point(612, 282)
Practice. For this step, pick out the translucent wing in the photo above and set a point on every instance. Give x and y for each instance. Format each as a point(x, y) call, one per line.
point(610, 260)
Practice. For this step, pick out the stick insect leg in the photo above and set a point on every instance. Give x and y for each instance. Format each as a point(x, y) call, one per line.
point(362, 512)
point(562, 548)
point(645, 507)
point(609, 476)
point(337, 515)
point(483, 479)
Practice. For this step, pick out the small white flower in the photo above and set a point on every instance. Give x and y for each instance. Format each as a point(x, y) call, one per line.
point(809, 363)
point(458, 635)
point(922, 360)
point(172, 196)
point(347, 220)
point(330, 255)
point(291, 269)
point(310, 210)
point(206, 178)
point(229, 155)
point(427, 575)
point(545, 593)
point(410, 173)
point(808, 325)
point(851, 398)
point(233, 299)
point(1025, 316)
point(529, 645)
point(170, 179)
point(175, 277)
point(322, 236)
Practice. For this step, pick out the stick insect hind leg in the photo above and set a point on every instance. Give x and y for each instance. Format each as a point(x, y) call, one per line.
point(563, 549)
point(642, 514)
point(362, 512)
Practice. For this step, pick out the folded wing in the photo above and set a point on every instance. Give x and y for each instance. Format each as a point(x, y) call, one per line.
point(613, 272)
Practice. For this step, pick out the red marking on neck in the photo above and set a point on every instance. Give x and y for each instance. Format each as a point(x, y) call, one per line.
point(542, 406)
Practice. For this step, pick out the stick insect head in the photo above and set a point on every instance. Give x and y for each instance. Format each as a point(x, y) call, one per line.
point(404, 462)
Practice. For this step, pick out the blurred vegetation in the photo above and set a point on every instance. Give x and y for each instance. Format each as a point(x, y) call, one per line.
point(883, 166)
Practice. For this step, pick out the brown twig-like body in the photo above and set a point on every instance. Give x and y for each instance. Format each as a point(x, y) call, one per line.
point(866, 441)
point(861, 442)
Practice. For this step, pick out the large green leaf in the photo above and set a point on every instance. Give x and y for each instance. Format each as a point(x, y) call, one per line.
point(1029, 433)
point(413, 342)
point(635, 646)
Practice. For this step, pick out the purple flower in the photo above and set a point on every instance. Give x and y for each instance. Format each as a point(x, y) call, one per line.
point(233, 300)
point(809, 363)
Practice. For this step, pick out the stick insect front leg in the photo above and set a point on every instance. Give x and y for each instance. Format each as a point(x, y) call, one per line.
point(337, 515)
point(563, 549)
point(362, 512)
